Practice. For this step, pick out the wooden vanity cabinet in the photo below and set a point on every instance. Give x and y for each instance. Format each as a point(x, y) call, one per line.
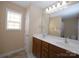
point(43, 49)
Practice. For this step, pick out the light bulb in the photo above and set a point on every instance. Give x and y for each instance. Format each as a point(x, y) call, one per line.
point(50, 9)
point(54, 7)
point(64, 3)
point(58, 5)
point(47, 10)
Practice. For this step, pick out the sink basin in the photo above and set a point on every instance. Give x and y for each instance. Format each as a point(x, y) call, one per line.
point(70, 45)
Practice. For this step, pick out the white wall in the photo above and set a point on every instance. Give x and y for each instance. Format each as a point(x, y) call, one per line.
point(45, 22)
point(32, 26)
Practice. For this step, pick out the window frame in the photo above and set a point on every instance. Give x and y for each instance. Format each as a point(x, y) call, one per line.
point(7, 9)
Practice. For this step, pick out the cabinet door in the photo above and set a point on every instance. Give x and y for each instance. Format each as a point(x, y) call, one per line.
point(56, 51)
point(37, 47)
point(44, 53)
point(34, 49)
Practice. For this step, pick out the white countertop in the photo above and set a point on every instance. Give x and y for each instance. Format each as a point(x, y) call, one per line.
point(71, 45)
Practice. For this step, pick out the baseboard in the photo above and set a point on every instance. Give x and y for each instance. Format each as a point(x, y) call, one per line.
point(11, 52)
point(30, 55)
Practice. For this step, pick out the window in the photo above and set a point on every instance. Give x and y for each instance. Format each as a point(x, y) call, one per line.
point(13, 20)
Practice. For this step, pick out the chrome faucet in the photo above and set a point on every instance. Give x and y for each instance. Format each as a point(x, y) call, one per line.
point(66, 40)
point(44, 34)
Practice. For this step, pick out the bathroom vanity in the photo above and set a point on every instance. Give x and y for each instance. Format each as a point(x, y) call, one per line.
point(54, 47)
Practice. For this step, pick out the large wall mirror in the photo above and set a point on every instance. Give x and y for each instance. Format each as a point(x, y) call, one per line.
point(65, 23)
point(63, 27)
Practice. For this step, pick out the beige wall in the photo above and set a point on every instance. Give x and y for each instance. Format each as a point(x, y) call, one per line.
point(10, 40)
point(70, 26)
point(0, 29)
point(55, 26)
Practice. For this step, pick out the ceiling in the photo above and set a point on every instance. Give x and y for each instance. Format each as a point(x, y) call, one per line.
point(70, 11)
point(41, 4)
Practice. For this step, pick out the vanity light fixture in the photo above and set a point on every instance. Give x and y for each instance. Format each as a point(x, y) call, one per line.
point(58, 6)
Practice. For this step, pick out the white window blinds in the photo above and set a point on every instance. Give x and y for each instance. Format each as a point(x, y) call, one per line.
point(13, 20)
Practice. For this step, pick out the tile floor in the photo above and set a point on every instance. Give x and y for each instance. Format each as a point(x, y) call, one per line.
point(21, 54)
